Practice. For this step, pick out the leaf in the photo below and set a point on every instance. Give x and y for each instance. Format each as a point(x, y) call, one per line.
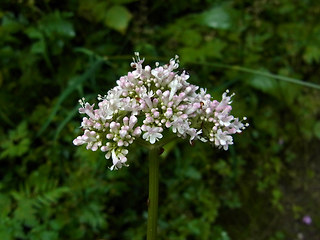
point(123, 1)
point(17, 143)
point(213, 48)
point(50, 197)
point(93, 10)
point(9, 24)
point(222, 168)
point(75, 82)
point(217, 17)
point(25, 212)
point(34, 33)
point(118, 18)
point(316, 129)
point(39, 47)
point(191, 38)
point(64, 122)
point(4, 233)
point(263, 83)
point(5, 205)
point(190, 54)
point(312, 54)
point(193, 173)
point(55, 23)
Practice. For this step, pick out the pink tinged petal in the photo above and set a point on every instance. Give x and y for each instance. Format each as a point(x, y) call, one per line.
point(104, 148)
point(147, 68)
point(184, 116)
point(208, 111)
point(88, 109)
point(137, 131)
point(108, 155)
point(165, 96)
point(78, 141)
point(123, 159)
point(125, 120)
point(120, 143)
point(159, 92)
point(168, 113)
point(232, 131)
point(95, 147)
point(133, 121)
point(113, 126)
point(155, 101)
point(144, 127)
point(123, 133)
point(85, 138)
point(98, 126)
point(156, 114)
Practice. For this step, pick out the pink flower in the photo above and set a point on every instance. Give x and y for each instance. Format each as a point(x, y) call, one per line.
point(307, 219)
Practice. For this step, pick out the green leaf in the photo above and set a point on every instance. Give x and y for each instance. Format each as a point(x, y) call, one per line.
point(123, 1)
point(55, 23)
point(74, 83)
point(25, 212)
point(317, 129)
point(39, 47)
point(17, 143)
point(217, 17)
point(34, 33)
point(222, 168)
point(263, 83)
point(312, 54)
point(193, 173)
point(191, 37)
point(5, 205)
point(4, 233)
point(118, 18)
point(213, 48)
point(190, 54)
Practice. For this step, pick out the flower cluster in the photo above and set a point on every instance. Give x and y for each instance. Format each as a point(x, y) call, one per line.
point(146, 103)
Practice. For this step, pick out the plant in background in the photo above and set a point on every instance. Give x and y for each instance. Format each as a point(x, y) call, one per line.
point(151, 107)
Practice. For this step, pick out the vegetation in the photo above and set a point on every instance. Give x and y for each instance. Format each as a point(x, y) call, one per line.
point(54, 52)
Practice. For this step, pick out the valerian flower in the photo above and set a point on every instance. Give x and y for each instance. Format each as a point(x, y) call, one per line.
point(148, 102)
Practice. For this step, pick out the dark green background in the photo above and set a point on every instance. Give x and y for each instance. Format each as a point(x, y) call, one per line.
point(52, 53)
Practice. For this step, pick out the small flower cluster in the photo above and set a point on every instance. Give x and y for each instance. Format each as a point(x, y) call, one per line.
point(145, 103)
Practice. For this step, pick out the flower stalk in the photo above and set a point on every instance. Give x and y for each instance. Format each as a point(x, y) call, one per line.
point(152, 106)
point(153, 193)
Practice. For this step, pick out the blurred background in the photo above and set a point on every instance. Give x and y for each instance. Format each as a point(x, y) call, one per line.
point(266, 187)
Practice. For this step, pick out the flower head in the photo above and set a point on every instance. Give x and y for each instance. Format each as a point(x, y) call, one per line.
point(307, 219)
point(147, 102)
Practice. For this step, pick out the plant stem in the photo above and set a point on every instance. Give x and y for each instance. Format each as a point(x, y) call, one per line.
point(153, 193)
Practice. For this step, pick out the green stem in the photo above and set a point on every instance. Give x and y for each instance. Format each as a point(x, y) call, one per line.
point(153, 193)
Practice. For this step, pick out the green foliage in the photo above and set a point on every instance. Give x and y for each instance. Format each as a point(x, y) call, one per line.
point(54, 52)
point(118, 18)
point(17, 142)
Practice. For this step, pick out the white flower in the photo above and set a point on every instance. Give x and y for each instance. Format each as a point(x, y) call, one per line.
point(90, 138)
point(152, 134)
point(223, 139)
point(118, 159)
point(145, 102)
